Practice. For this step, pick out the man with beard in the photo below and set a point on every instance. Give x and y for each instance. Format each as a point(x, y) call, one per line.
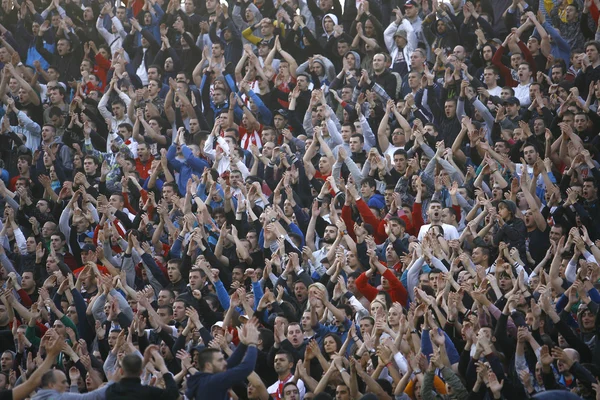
point(216, 374)
point(329, 235)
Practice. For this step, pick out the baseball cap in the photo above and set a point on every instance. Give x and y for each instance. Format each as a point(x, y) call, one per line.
point(218, 323)
point(88, 247)
point(281, 112)
point(411, 3)
point(512, 100)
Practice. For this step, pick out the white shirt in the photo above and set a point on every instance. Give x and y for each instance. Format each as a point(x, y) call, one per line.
point(450, 232)
point(274, 388)
point(141, 71)
point(522, 93)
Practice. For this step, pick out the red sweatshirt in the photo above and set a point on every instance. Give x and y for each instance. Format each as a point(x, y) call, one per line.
point(397, 290)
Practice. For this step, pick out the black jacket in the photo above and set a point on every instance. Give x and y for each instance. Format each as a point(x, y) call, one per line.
point(132, 388)
point(136, 53)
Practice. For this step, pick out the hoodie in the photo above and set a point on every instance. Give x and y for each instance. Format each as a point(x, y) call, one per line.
point(326, 37)
point(356, 58)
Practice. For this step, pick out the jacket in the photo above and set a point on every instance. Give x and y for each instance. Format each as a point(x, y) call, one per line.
point(51, 394)
point(131, 388)
point(219, 384)
point(67, 64)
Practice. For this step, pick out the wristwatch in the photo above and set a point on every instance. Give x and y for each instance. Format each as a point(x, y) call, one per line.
point(273, 219)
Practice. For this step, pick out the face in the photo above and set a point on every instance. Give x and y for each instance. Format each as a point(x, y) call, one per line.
point(173, 272)
point(366, 326)
point(589, 191)
point(450, 109)
point(6, 361)
point(300, 291)
point(329, 345)
point(487, 53)
point(416, 60)
point(524, 73)
point(291, 392)
point(294, 335)
point(63, 47)
point(592, 53)
point(89, 166)
point(530, 155)
point(489, 77)
point(379, 63)
point(178, 311)
point(435, 212)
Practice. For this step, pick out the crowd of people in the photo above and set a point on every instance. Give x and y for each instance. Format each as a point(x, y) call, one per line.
point(299, 199)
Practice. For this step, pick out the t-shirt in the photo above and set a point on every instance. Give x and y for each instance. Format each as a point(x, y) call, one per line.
point(450, 232)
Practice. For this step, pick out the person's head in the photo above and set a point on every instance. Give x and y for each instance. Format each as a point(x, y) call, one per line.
point(411, 10)
point(63, 47)
point(524, 72)
point(357, 143)
point(166, 297)
point(487, 52)
point(366, 325)
point(558, 73)
point(173, 269)
point(118, 109)
point(290, 391)
point(530, 154)
point(434, 212)
point(131, 366)
point(379, 63)
point(450, 108)
point(417, 60)
point(179, 310)
point(460, 53)
point(581, 122)
point(55, 379)
point(283, 363)
point(90, 165)
point(592, 50)
point(490, 76)
point(556, 232)
point(294, 334)
point(572, 12)
point(267, 28)
point(590, 189)
point(300, 291)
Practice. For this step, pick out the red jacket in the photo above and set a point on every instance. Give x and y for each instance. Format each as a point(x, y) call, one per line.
point(397, 290)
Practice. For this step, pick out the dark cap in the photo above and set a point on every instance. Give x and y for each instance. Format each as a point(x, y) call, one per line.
point(512, 100)
point(88, 247)
point(264, 42)
point(411, 3)
point(281, 112)
point(512, 207)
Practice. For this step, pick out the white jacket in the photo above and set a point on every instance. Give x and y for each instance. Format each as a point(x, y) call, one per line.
point(390, 42)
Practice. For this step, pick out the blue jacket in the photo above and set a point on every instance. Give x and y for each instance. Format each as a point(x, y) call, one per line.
point(191, 166)
point(218, 385)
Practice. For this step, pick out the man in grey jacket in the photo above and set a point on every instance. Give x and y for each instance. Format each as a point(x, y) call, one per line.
point(55, 385)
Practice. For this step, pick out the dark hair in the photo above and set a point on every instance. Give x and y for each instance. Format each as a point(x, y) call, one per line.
point(55, 112)
point(401, 152)
point(132, 365)
point(206, 355)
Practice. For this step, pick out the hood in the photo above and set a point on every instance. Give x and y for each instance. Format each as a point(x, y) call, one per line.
point(44, 394)
point(356, 58)
point(333, 17)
